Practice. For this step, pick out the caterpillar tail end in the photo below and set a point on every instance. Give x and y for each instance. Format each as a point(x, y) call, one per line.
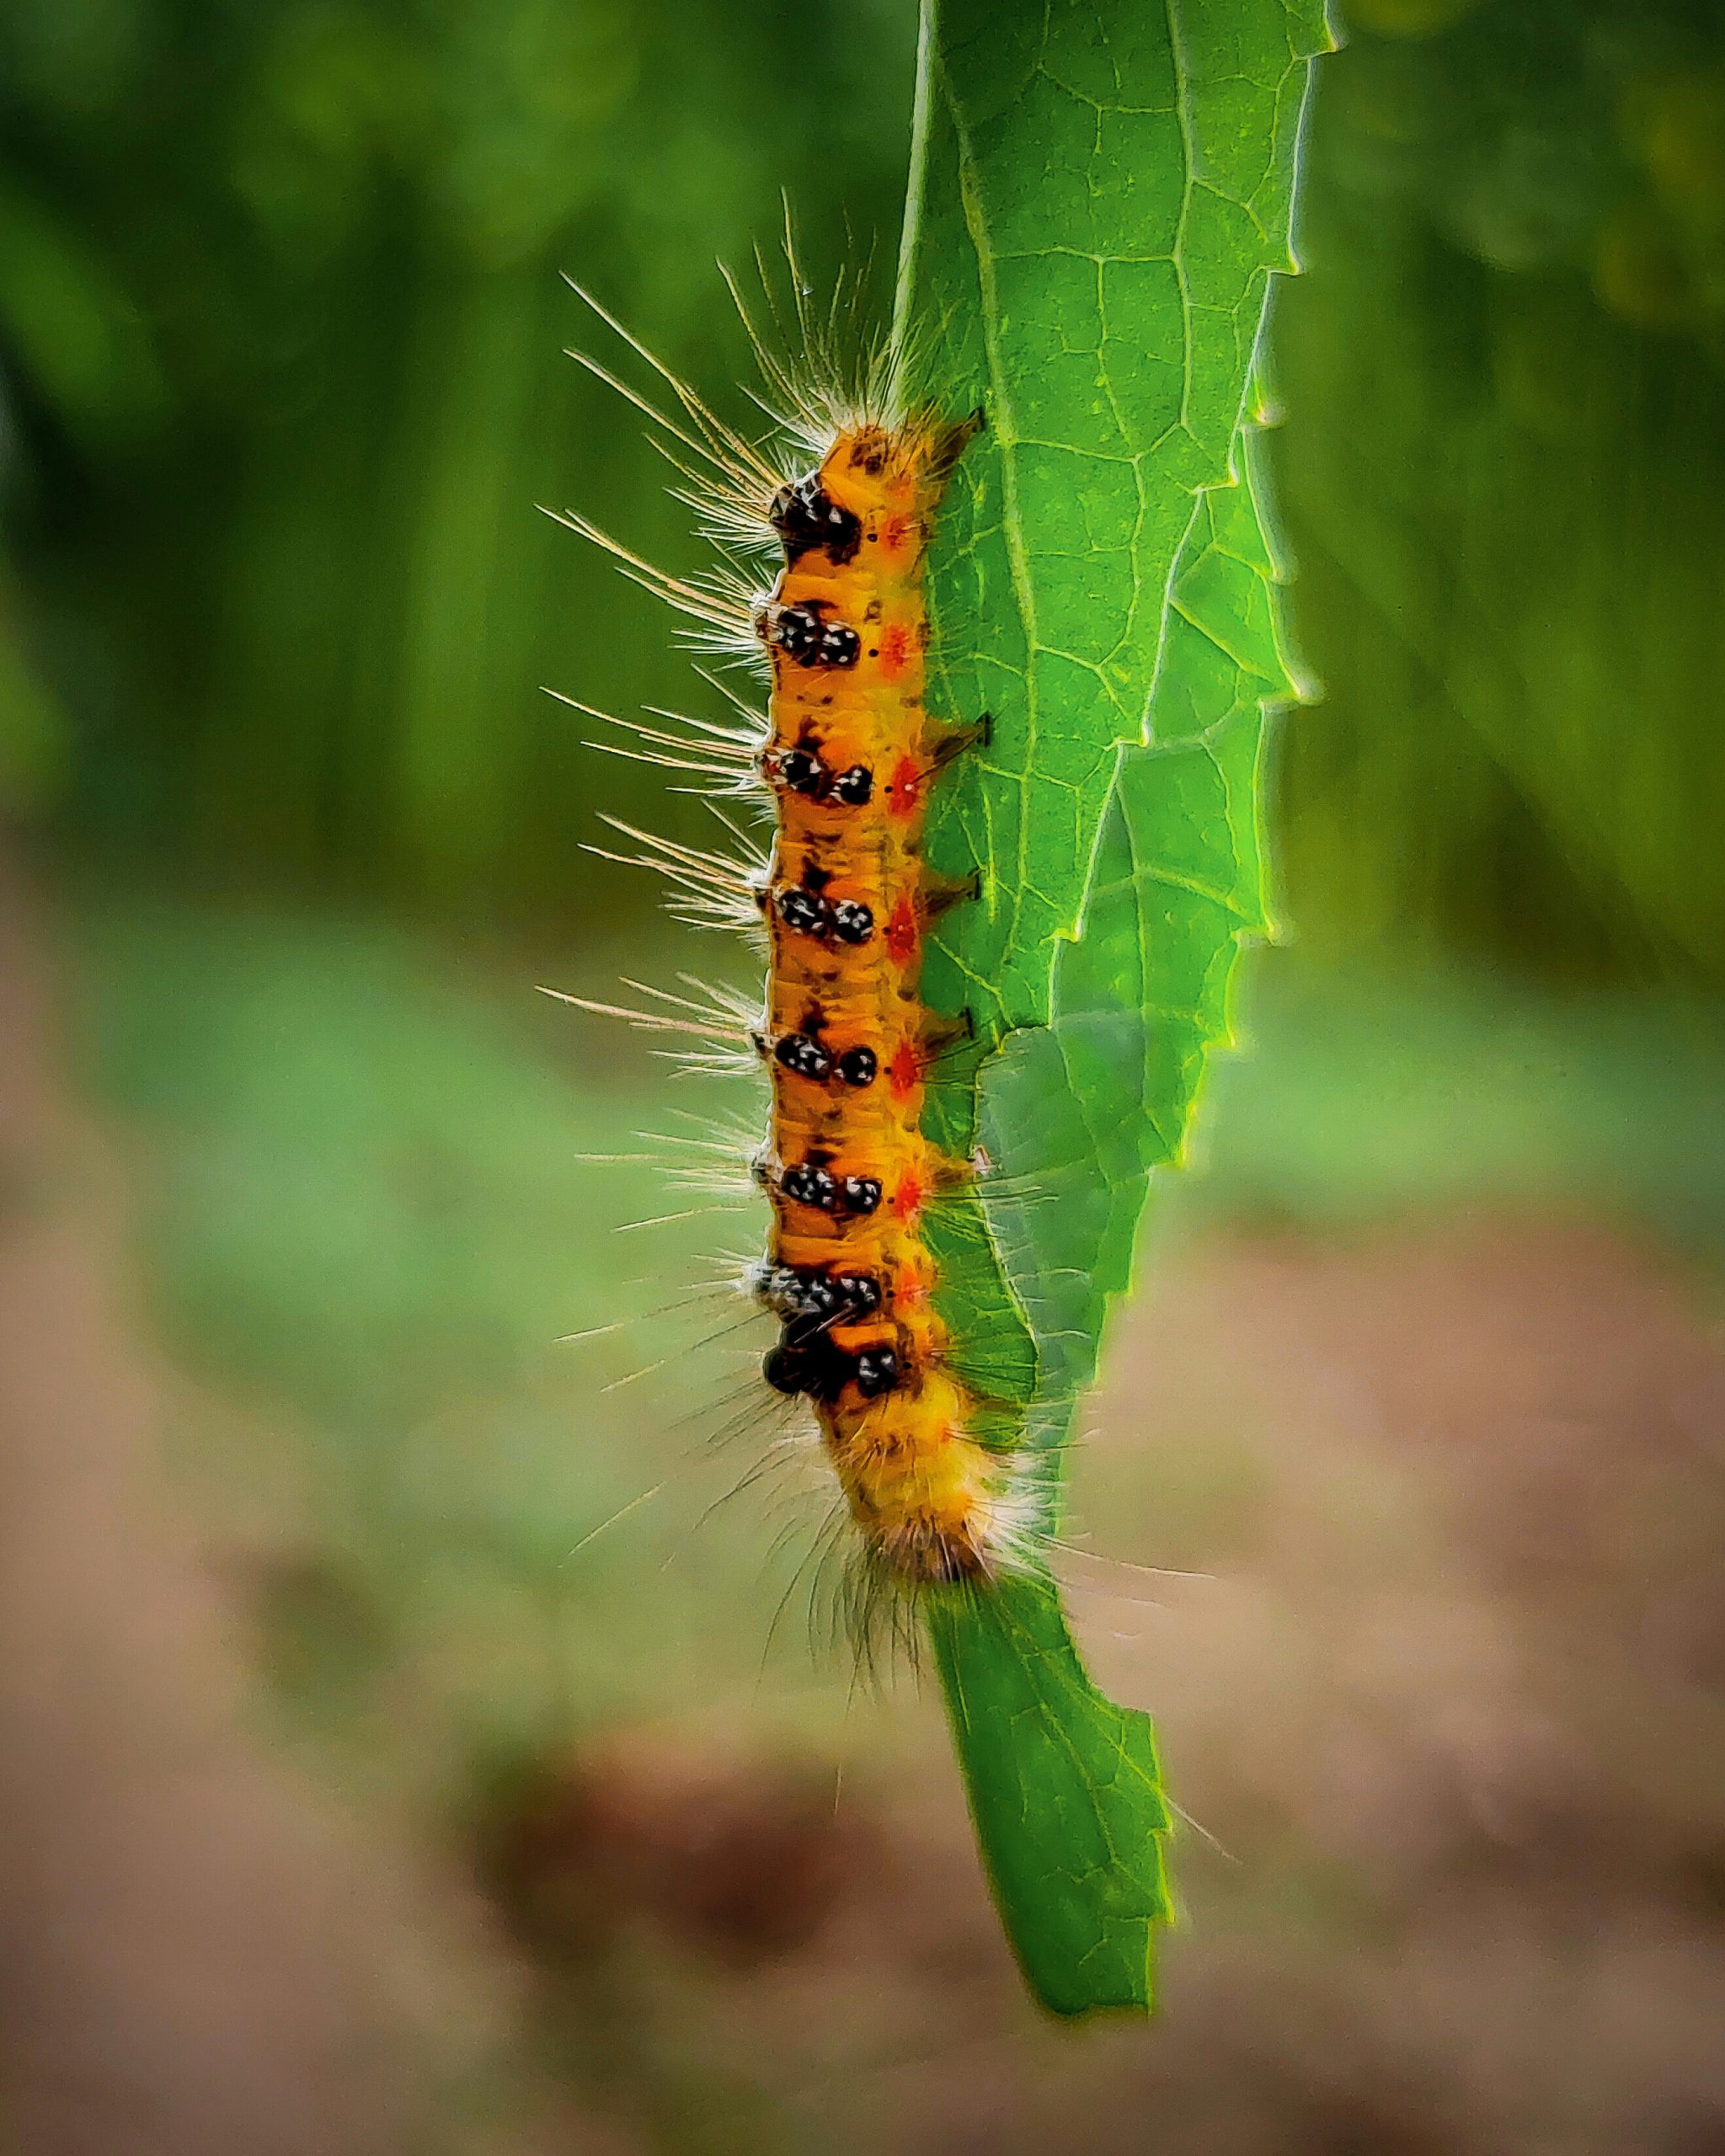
point(930, 1500)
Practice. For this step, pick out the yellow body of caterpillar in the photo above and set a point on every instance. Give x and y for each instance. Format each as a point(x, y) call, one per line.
point(850, 756)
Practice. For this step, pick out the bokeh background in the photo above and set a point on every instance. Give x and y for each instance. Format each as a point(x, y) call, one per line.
point(413, 1740)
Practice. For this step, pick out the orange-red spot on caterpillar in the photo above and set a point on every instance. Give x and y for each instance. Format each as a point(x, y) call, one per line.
point(904, 1071)
point(895, 534)
point(912, 1296)
point(908, 1199)
point(903, 789)
point(902, 931)
point(894, 650)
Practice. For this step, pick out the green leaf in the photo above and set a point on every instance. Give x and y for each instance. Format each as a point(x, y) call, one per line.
point(1056, 1776)
point(1099, 192)
point(1144, 994)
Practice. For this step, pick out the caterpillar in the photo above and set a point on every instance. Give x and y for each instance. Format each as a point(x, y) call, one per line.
point(840, 503)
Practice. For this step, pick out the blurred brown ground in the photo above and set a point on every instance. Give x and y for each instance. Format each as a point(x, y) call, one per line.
point(1443, 1691)
point(1439, 1667)
point(183, 1930)
point(201, 1955)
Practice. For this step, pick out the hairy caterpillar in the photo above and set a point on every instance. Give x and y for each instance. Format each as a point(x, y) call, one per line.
point(842, 504)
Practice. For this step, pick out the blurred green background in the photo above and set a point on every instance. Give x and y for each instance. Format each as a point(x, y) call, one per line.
point(1427, 1385)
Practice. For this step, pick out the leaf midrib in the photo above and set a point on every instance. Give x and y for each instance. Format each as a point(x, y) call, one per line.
point(1006, 431)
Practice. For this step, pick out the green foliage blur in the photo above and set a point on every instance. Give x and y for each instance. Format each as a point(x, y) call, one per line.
point(1501, 479)
point(282, 382)
point(283, 329)
point(282, 325)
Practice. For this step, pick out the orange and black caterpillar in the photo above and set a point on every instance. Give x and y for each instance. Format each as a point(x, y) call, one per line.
point(845, 898)
point(850, 757)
